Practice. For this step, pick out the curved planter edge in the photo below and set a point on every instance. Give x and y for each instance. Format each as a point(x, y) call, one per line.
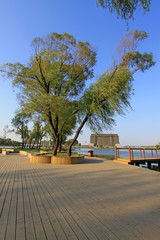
point(40, 159)
point(67, 159)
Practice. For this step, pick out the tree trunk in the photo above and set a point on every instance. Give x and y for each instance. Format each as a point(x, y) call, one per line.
point(37, 143)
point(55, 134)
point(30, 142)
point(55, 147)
point(60, 143)
point(76, 135)
point(40, 143)
point(22, 135)
point(33, 144)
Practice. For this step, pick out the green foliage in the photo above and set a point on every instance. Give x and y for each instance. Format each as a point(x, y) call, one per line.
point(8, 142)
point(38, 132)
point(141, 61)
point(19, 123)
point(69, 141)
point(129, 56)
point(157, 146)
point(54, 76)
point(31, 150)
point(100, 146)
point(112, 92)
point(125, 8)
point(52, 84)
point(108, 96)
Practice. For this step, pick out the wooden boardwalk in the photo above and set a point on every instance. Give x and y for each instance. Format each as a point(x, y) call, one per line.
point(96, 200)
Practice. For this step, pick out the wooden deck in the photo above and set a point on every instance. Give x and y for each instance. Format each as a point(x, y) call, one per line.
point(96, 200)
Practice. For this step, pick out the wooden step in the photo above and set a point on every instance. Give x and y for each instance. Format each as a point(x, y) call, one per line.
point(121, 160)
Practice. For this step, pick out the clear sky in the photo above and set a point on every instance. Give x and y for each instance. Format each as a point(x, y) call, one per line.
point(21, 21)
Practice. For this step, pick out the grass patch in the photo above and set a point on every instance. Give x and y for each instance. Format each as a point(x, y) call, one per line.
point(58, 154)
point(30, 150)
point(16, 150)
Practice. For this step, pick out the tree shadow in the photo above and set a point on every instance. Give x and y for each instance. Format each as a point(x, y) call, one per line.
point(90, 160)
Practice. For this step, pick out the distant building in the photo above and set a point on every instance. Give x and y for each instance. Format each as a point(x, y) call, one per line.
point(104, 139)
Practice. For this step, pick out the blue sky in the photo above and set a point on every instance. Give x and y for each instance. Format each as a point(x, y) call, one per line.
point(21, 21)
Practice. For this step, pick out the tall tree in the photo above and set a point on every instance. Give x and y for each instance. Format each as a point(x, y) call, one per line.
point(54, 76)
point(112, 92)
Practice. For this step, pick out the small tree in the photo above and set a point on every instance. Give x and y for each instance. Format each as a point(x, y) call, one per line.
point(19, 123)
point(5, 131)
point(38, 133)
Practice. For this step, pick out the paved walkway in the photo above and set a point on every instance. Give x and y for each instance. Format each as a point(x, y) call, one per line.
point(96, 200)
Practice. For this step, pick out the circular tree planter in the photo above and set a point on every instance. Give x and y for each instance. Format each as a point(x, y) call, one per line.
point(40, 159)
point(75, 159)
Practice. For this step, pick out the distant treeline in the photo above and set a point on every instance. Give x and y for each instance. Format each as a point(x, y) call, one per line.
point(9, 142)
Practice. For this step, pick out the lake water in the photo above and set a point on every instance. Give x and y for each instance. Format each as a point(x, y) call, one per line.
point(122, 153)
point(7, 146)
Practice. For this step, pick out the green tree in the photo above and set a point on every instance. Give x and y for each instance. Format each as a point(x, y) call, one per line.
point(66, 131)
point(112, 92)
point(69, 141)
point(5, 131)
point(51, 81)
point(38, 133)
point(19, 123)
point(125, 8)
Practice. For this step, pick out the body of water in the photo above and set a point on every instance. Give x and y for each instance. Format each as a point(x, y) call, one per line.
point(122, 153)
point(96, 151)
point(7, 147)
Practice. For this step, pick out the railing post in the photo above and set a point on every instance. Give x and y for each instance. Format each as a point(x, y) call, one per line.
point(141, 152)
point(152, 152)
point(115, 153)
point(129, 151)
point(144, 154)
point(132, 155)
point(156, 154)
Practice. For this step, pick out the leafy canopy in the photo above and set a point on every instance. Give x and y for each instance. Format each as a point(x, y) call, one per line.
point(113, 90)
point(125, 8)
point(54, 79)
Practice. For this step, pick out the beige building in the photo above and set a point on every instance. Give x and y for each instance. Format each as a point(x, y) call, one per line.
point(104, 139)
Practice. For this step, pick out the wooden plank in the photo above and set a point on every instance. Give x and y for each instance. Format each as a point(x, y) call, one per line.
point(5, 200)
point(11, 223)
point(28, 215)
point(35, 216)
point(40, 202)
point(20, 220)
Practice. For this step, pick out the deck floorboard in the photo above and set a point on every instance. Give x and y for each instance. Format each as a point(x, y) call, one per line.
point(99, 199)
